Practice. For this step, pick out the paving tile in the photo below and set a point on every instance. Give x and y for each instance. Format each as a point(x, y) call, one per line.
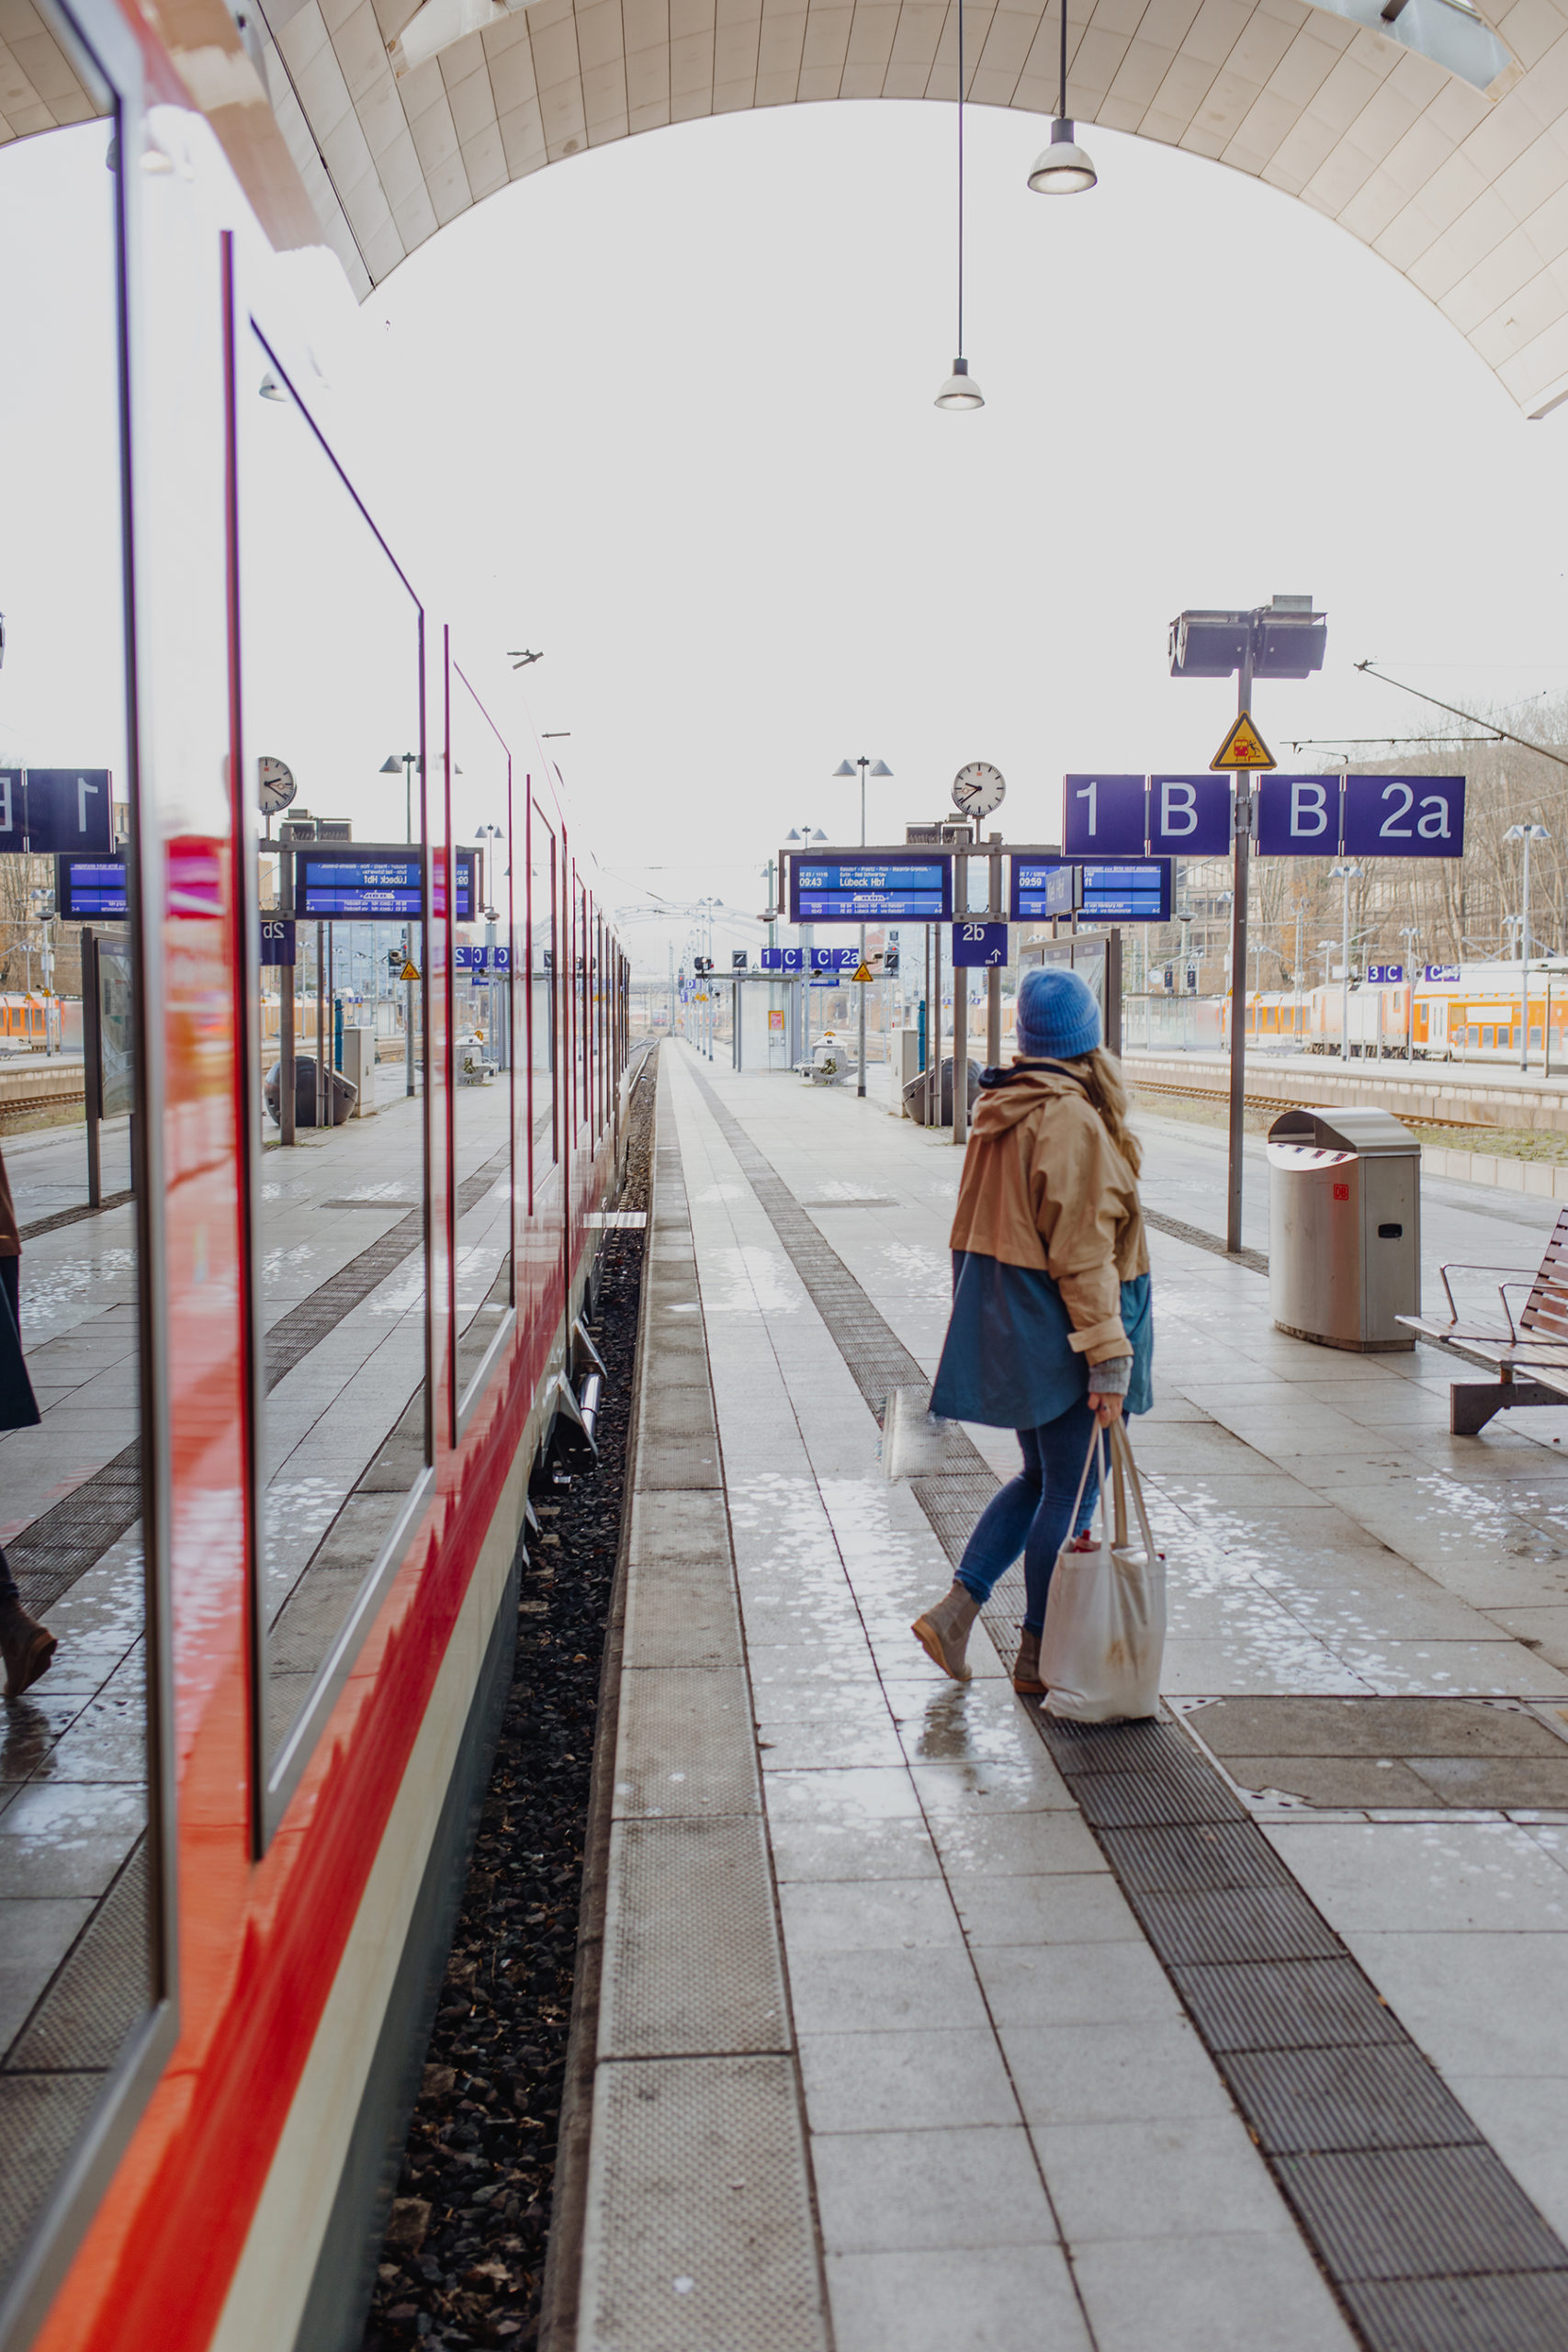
point(1209, 2293)
point(962, 2186)
point(1159, 2179)
point(1023, 1783)
point(1014, 1845)
point(909, 2080)
point(1071, 1985)
point(898, 1914)
point(1033, 1910)
point(1451, 1876)
point(878, 1990)
point(1479, 2002)
point(915, 2301)
point(1112, 2073)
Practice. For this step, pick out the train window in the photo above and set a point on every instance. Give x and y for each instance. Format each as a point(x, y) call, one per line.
point(481, 1028)
point(544, 962)
point(331, 659)
point(1535, 1035)
point(83, 1862)
point(1486, 1033)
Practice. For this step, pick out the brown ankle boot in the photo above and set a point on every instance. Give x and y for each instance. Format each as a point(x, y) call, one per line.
point(943, 1631)
point(26, 1646)
point(1026, 1666)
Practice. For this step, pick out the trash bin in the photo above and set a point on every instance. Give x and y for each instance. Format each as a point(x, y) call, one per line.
point(915, 1094)
point(1343, 1228)
point(341, 1096)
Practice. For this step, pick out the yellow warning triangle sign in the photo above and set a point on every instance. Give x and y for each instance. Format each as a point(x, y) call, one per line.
point(1244, 748)
point(864, 973)
point(410, 972)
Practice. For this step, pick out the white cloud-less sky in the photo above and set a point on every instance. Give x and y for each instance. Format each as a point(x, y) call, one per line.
point(666, 411)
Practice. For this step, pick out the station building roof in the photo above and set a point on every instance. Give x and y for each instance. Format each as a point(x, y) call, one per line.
point(1436, 135)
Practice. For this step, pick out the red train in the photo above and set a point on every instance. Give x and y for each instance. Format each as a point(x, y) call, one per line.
point(290, 1395)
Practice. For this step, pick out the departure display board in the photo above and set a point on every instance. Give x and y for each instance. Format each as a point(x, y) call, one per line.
point(349, 883)
point(91, 889)
point(1137, 890)
point(914, 889)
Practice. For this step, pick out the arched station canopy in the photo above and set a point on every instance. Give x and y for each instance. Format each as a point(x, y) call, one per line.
point(1436, 136)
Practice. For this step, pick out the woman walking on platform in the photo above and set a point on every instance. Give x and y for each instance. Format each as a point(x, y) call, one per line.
point(1051, 1330)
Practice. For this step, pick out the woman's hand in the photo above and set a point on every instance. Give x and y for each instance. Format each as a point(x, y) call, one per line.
point(1105, 1409)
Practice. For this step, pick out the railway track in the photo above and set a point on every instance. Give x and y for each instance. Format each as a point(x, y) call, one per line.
point(1221, 1096)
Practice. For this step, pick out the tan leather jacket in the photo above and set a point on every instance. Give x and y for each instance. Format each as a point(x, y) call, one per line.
point(1044, 1186)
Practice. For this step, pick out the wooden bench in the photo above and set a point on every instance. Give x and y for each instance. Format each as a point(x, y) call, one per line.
point(1536, 1344)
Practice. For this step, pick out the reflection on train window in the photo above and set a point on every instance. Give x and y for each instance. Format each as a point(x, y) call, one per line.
point(330, 694)
point(77, 1874)
point(581, 938)
point(543, 966)
point(481, 1026)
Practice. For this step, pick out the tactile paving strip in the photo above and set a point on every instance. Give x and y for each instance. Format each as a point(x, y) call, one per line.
point(700, 2235)
point(1430, 2241)
point(691, 1949)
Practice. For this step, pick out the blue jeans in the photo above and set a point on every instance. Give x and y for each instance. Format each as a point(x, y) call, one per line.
point(1031, 1513)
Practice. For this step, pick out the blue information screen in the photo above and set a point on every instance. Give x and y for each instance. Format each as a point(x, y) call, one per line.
point(1137, 891)
point(91, 887)
point(340, 883)
point(917, 889)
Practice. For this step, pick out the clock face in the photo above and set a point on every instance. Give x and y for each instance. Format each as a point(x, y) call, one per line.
point(979, 789)
point(275, 786)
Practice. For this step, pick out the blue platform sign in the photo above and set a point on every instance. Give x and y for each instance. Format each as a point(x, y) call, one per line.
point(1298, 816)
point(1189, 816)
point(1384, 976)
point(1103, 816)
point(276, 940)
point(1442, 972)
point(1404, 816)
point(979, 944)
point(917, 887)
point(500, 960)
point(462, 958)
point(784, 959)
point(45, 811)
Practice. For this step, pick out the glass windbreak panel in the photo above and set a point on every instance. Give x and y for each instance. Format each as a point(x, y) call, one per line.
point(76, 1876)
point(329, 687)
point(543, 969)
point(481, 1026)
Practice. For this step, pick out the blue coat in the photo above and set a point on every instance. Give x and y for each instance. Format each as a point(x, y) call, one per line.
point(1006, 1360)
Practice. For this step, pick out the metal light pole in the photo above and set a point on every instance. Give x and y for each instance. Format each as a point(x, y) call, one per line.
point(876, 768)
point(1412, 939)
point(408, 762)
point(1345, 875)
point(1284, 638)
point(1526, 833)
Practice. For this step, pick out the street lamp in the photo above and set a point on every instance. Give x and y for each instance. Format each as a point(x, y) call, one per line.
point(1526, 833)
point(408, 762)
point(1345, 875)
point(876, 768)
point(961, 391)
point(1063, 169)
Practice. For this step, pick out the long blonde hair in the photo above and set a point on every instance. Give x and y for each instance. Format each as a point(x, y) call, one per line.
point(1108, 1091)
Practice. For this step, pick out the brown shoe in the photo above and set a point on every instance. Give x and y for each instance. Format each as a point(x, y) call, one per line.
point(943, 1631)
point(26, 1647)
point(1026, 1666)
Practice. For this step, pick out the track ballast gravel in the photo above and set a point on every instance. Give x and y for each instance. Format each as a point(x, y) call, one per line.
point(464, 2257)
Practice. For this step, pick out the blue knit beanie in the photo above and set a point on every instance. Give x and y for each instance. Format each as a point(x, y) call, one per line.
point(1058, 1016)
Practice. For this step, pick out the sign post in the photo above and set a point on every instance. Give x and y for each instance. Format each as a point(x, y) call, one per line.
point(1242, 751)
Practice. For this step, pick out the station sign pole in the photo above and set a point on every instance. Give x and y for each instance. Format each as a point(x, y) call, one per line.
point(1242, 751)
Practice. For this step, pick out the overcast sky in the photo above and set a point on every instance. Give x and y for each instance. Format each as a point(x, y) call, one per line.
point(665, 411)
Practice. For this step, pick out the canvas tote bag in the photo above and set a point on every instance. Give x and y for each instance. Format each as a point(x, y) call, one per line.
point(1104, 1638)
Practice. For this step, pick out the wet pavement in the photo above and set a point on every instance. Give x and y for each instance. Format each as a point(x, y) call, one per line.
point(1012, 2123)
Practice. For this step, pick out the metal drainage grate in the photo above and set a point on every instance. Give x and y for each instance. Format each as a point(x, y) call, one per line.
point(1429, 2240)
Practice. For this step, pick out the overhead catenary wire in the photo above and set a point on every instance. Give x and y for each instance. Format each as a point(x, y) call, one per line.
point(1471, 719)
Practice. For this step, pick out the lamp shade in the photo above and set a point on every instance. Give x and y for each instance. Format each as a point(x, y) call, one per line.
point(961, 391)
point(1063, 169)
point(844, 768)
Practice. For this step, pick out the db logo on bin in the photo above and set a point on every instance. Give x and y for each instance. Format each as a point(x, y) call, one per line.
point(1342, 1192)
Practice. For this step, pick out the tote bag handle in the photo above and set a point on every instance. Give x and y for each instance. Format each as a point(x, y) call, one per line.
point(1122, 1455)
